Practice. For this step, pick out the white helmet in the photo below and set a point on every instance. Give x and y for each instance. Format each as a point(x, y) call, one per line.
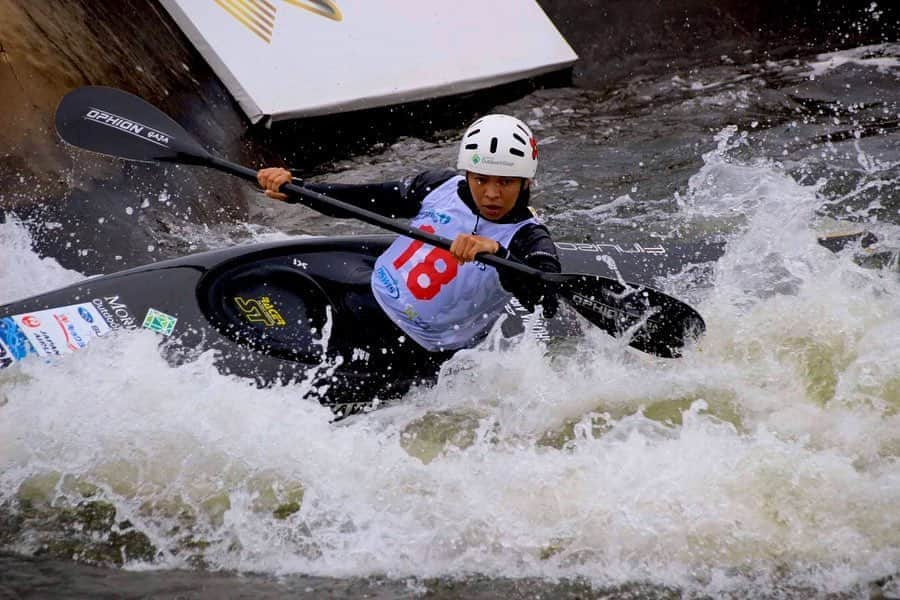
point(498, 145)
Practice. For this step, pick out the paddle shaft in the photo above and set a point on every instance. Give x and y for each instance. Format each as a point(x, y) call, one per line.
point(595, 298)
point(312, 198)
point(117, 123)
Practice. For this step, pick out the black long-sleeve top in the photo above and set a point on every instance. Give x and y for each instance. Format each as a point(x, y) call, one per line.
point(531, 244)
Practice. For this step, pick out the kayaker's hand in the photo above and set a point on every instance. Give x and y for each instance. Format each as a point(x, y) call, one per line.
point(466, 246)
point(550, 304)
point(271, 180)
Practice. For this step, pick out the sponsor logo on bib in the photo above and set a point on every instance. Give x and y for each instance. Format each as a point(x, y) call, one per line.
point(386, 281)
point(436, 217)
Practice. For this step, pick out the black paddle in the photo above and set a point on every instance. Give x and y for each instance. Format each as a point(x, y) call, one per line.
point(113, 122)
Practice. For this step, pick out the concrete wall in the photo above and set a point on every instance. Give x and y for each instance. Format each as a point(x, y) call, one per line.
point(47, 48)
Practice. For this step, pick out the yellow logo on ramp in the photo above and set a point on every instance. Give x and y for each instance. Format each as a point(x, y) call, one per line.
point(259, 15)
point(325, 8)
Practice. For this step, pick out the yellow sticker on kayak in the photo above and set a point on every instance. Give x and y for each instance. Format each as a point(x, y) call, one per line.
point(260, 310)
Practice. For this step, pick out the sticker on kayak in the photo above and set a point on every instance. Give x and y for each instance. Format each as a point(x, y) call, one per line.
point(6, 358)
point(53, 331)
point(14, 343)
point(159, 322)
point(260, 310)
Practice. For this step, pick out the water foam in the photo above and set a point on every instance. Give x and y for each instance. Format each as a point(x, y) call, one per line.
point(767, 456)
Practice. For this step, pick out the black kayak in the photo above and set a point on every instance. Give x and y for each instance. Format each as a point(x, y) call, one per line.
point(298, 310)
point(282, 312)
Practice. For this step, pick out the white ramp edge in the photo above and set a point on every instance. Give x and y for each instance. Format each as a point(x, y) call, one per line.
point(284, 59)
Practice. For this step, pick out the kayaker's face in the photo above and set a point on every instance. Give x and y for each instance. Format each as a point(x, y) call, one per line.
point(495, 196)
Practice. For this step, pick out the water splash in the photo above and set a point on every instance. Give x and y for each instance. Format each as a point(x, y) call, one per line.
point(768, 458)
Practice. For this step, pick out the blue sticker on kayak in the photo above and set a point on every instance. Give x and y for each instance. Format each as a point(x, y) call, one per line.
point(14, 340)
point(6, 358)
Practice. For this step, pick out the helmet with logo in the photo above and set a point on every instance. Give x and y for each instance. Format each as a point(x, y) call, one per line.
point(498, 145)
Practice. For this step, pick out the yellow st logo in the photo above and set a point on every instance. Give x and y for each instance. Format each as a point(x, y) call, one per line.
point(260, 310)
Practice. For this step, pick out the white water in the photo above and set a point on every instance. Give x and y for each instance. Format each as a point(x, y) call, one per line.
point(766, 457)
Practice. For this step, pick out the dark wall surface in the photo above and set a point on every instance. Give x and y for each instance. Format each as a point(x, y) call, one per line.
point(48, 47)
point(618, 39)
point(51, 47)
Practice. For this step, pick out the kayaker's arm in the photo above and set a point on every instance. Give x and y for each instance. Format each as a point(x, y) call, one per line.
point(533, 246)
point(394, 199)
point(382, 198)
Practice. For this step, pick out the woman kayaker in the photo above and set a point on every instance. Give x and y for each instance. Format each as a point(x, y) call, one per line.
point(447, 300)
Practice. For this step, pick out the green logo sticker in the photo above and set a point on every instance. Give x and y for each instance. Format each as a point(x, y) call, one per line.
point(476, 159)
point(159, 322)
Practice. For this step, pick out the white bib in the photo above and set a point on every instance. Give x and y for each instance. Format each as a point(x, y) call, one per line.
point(439, 303)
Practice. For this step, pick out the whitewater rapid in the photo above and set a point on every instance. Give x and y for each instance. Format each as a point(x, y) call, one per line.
point(767, 458)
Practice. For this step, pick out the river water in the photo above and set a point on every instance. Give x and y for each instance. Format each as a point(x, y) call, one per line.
point(764, 463)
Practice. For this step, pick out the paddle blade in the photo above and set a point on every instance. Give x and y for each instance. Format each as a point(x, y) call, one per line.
point(116, 123)
point(654, 322)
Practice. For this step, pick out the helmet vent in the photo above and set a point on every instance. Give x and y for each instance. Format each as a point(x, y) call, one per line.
point(476, 132)
point(516, 151)
point(493, 145)
point(519, 138)
point(471, 146)
point(525, 131)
